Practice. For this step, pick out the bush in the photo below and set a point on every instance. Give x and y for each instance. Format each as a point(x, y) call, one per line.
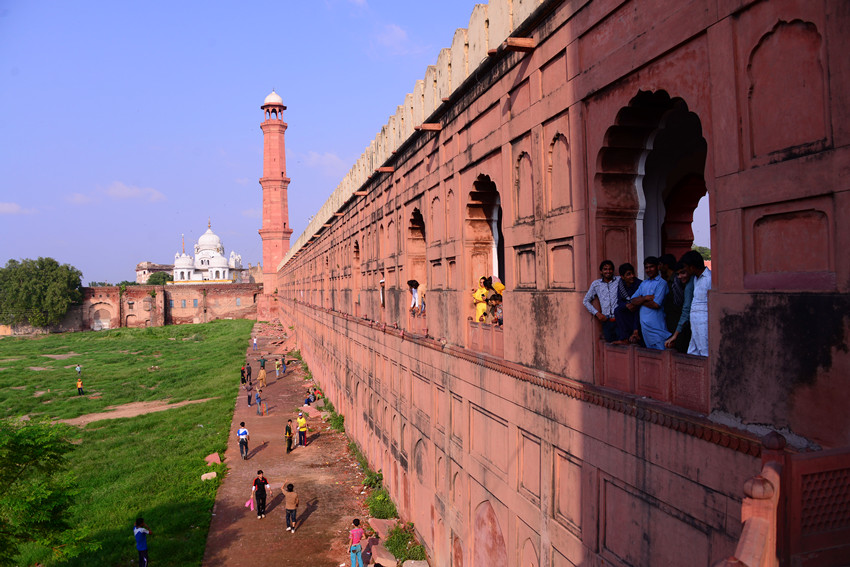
point(381, 505)
point(401, 542)
point(337, 422)
point(373, 479)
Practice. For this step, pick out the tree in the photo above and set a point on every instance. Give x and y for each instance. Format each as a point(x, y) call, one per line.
point(159, 278)
point(36, 489)
point(125, 283)
point(704, 251)
point(38, 291)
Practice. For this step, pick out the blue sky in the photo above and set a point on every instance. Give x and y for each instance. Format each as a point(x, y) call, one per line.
point(126, 124)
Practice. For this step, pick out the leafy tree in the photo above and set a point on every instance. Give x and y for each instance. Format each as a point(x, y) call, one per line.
point(125, 283)
point(98, 284)
point(36, 490)
point(159, 278)
point(38, 291)
point(704, 251)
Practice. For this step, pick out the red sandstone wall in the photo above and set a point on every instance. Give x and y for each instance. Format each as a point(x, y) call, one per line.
point(581, 471)
point(745, 100)
point(215, 301)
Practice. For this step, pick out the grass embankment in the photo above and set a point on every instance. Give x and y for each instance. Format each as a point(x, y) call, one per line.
point(148, 465)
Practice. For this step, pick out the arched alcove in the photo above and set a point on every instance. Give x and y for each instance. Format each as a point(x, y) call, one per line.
point(483, 230)
point(488, 542)
point(650, 178)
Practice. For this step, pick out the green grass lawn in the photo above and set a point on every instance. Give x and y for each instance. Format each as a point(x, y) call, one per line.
point(148, 465)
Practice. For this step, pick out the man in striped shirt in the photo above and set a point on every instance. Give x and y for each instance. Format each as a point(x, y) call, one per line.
point(605, 289)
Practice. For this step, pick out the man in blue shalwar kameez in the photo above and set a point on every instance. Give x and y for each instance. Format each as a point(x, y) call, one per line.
point(650, 298)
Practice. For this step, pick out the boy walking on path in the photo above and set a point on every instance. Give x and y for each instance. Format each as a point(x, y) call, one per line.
point(354, 547)
point(243, 436)
point(248, 370)
point(291, 499)
point(261, 377)
point(258, 490)
point(255, 343)
point(277, 368)
point(288, 436)
point(259, 402)
point(141, 533)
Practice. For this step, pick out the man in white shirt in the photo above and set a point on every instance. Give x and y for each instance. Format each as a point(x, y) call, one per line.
point(605, 289)
point(695, 266)
point(243, 436)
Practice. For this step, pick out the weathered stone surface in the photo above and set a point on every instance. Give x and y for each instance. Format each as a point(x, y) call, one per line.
point(415, 563)
point(209, 475)
point(382, 527)
point(212, 458)
point(381, 555)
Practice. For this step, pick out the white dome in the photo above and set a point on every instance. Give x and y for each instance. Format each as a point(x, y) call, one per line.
point(273, 98)
point(209, 241)
point(184, 261)
point(218, 261)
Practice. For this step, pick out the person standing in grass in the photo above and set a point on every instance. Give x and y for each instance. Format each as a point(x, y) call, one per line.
point(290, 498)
point(242, 371)
point(243, 436)
point(79, 386)
point(258, 490)
point(302, 430)
point(354, 547)
point(79, 370)
point(141, 533)
point(288, 436)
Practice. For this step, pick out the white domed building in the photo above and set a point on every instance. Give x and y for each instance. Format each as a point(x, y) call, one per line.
point(209, 263)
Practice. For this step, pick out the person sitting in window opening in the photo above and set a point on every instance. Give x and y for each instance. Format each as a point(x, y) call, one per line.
point(479, 298)
point(626, 320)
point(682, 333)
point(605, 290)
point(381, 291)
point(413, 287)
point(650, 299)
point(496, 284)
point(696, 268)
point(675, 291)
point(422, 301)
point(495, 302)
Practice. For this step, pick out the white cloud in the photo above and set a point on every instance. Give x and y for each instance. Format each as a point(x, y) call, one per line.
point(121, 191)
point(79, 199)
point(330, 164)
point(242, 181)
point(14, 209)
point(252, 213)
point(393, 37)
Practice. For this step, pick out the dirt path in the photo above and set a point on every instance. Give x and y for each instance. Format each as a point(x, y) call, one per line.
point(126, 410)
point(325, 476)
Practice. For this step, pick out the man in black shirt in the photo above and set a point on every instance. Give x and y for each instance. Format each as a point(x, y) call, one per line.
point(259, 492)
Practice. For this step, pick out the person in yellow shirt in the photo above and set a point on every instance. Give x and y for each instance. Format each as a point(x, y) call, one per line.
point(302, 430)
point(79, 386)
point(479, 297)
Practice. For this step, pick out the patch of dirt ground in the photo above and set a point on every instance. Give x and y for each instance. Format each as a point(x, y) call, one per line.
point(325, 474)
point(61, 356)
point(129, 410)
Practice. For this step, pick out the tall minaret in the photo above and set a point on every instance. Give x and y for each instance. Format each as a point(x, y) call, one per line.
point(275, 232)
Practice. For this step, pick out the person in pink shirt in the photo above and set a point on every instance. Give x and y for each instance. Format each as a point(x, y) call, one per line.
point(354, 547)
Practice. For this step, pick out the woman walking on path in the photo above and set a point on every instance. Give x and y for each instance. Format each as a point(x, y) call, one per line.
point(291, 499)
point(354, 547)
point(258, 490)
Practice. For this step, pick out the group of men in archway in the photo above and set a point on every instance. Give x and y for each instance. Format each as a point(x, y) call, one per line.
point(669, 309)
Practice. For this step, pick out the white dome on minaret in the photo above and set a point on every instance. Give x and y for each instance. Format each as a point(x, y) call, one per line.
point(273, 98)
